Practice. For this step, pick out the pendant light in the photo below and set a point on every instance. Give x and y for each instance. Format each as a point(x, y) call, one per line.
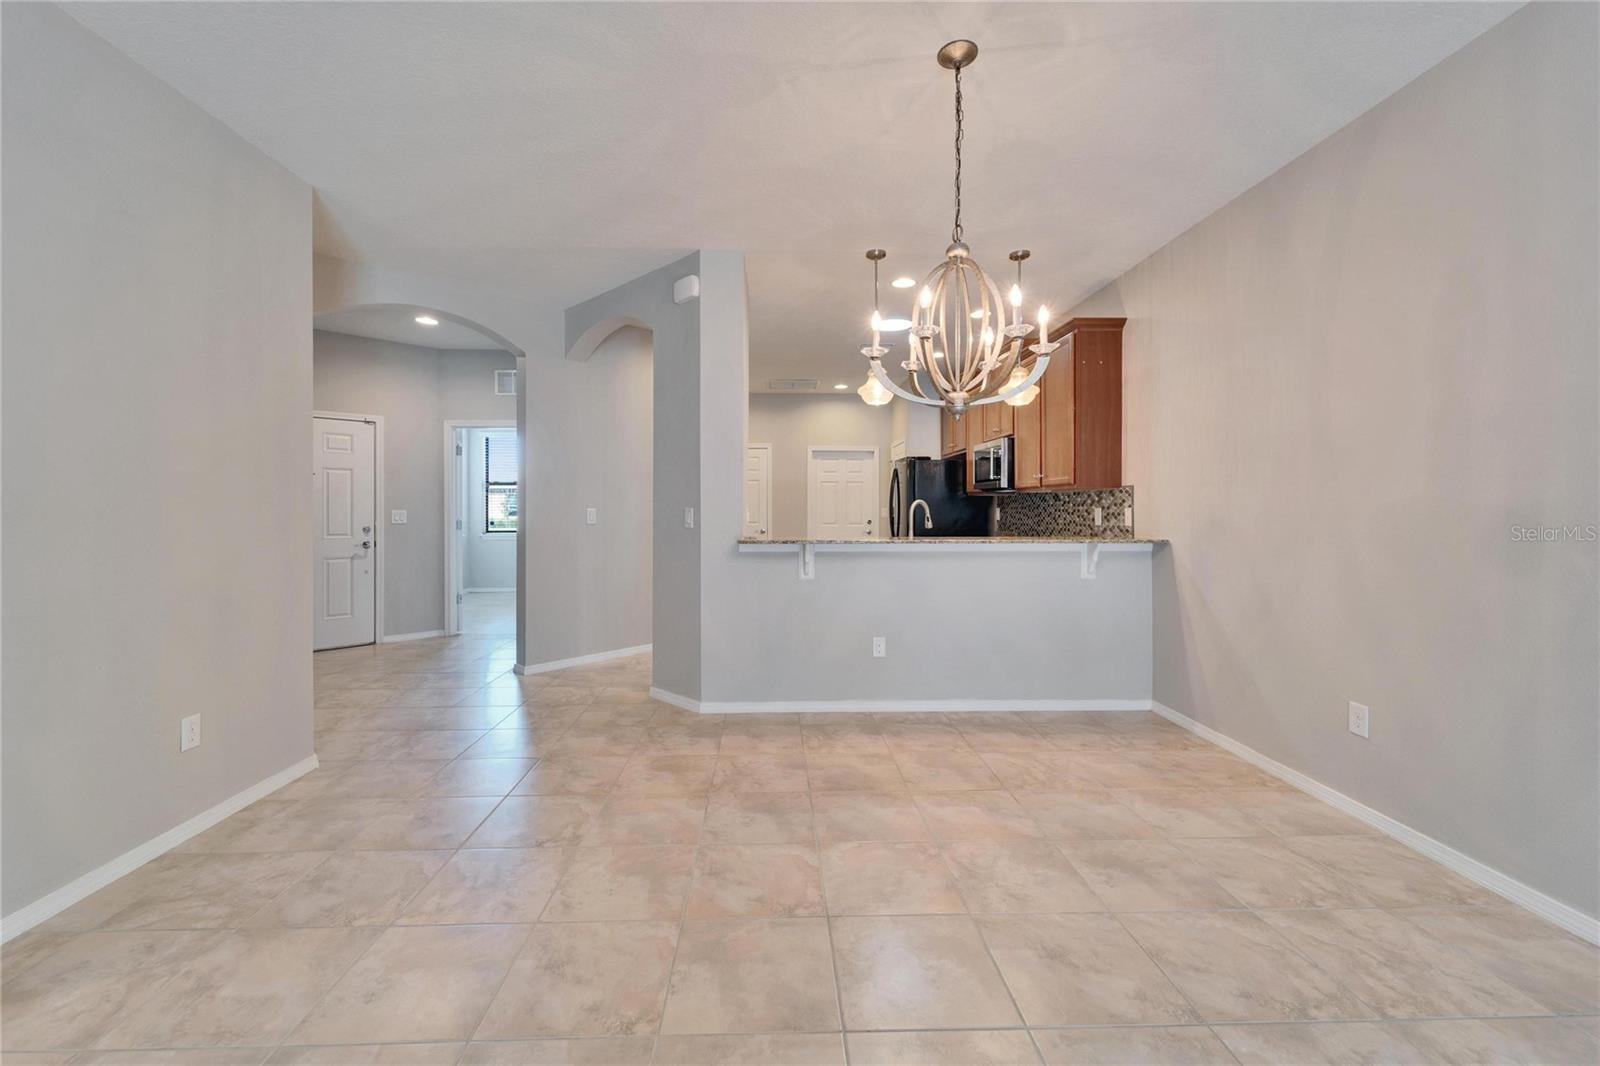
point(962, 351)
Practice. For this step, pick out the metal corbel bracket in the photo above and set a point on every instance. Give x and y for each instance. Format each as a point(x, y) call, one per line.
point(808, 562)
point(1089, 561)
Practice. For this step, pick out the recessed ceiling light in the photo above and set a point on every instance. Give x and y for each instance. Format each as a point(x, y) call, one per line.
point(841, 386)
point(903, 283)
point(426, 320)
point(893, 325)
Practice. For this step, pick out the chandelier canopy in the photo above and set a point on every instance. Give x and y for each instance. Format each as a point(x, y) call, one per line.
point(961, 350)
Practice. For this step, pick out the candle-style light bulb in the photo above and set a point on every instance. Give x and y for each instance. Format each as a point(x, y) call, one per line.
point(1044, 324)
point(1016, 305)
point(877, 322)
point(926, 299)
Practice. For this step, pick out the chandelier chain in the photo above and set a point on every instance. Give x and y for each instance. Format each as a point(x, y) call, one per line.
point(955, 234)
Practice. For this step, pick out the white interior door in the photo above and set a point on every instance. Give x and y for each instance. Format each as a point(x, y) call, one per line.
point(344, 587)
point(758, 491)
point(842, 494)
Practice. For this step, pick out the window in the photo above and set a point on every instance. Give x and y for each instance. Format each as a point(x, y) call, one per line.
point(500, 503)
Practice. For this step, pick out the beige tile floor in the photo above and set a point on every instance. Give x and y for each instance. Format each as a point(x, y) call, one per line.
point(493, 869)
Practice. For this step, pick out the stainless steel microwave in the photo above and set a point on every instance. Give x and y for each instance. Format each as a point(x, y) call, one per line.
point(991, 466)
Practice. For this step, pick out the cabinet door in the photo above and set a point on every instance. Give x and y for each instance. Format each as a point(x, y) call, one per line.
point(1025, 430)
point(1057, 399)
point(958, 432)
point(997, 421)
point(947, 433)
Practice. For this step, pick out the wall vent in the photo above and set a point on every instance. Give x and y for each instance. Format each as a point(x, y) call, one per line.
point(505, 382)
point(792, 384)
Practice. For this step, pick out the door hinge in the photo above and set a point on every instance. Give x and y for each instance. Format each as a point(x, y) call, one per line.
point(458, 449)
point(458, 523)
point(458, 599)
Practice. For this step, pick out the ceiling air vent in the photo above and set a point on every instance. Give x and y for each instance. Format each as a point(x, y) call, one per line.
point(792, 384)
point(505, 382)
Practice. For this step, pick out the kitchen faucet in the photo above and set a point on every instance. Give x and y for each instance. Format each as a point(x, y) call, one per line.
point(911, 518)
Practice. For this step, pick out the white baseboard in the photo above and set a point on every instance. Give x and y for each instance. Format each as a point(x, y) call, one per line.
point(524, 669)
point(493, 588)
point(888, 706)
point(1547, 907)
point(22, 919)
point(396, 638)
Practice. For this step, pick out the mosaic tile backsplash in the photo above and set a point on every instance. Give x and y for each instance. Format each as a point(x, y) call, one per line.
point(1067, 514)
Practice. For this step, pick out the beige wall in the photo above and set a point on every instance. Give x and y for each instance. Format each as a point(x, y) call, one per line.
point(157, 383)
point(1343, 390)
point(791, 424)
point(416, 390)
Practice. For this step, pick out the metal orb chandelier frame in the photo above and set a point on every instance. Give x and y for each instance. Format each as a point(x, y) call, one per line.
point(961, 350)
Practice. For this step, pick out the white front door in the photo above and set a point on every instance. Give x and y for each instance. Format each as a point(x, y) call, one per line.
point(842, 495)
point(757, 491)
point(343, 581)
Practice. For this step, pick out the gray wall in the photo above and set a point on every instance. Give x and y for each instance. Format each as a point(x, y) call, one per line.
point(791, 424)
point(1056, 636)
point(1342, 392)
point(416, 390)
point(157, 382)
point(568, 399)
point(917, 425)
point(587, 443)
point(489, 559)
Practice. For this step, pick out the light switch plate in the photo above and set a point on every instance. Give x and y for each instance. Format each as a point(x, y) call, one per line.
point(189, 733)
point(688, 518)
point(1099, 516)
point(397, 518)
point(591, 516)
point(880, 647)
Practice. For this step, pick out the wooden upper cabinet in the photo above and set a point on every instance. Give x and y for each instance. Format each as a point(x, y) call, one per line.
point(1025, 430)
point(1058, 420)
point(997, 420)
point(952, 434)
point(1079, 411)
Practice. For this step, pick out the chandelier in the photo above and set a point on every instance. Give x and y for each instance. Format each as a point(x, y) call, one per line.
point(962, 352)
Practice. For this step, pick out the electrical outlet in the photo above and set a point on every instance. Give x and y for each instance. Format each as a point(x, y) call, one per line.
point(688, 518)
point(880, 647)
point(189, 733)
point(591, 516)
point(1359, 716)
point(1099, 516)
point(1127, 518)
point(397, 518)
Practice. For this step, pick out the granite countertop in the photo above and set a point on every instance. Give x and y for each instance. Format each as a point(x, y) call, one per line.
point(905, 541)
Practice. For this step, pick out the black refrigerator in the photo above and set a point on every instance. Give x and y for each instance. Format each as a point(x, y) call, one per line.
point(943, 484)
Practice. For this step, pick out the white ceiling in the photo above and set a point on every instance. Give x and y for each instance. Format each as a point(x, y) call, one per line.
point(560, 149)
point(396, 322)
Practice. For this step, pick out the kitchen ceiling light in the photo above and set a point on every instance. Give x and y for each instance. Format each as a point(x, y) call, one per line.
point(874, 393)
point(841, 386)
point(426, 320)
point(961, 304)
point(903, 282)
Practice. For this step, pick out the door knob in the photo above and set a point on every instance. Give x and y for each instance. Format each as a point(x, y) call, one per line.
point(366, 544)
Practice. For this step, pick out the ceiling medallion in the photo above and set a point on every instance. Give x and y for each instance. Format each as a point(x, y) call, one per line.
point(961, 350)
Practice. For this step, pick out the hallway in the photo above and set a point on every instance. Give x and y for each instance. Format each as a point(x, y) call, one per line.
point(489, 614)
